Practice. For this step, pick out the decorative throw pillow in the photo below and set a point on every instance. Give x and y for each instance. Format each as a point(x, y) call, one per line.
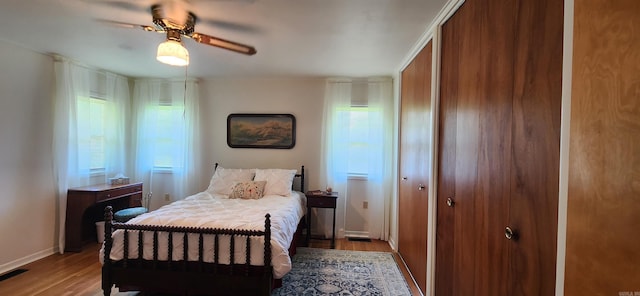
point(248, 190)
point(224, 179)
point(279, 181)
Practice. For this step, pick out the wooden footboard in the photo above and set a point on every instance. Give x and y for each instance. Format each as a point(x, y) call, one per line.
point(185, 277)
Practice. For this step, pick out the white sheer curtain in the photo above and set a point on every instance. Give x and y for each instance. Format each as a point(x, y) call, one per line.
point(336, 141)
point(379, 179)
point(335, 146)
point(166, 134)
point(117, 115)
point(75, 84)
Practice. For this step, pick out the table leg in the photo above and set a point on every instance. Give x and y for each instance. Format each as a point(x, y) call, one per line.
point(308, 225)
point(333, 233)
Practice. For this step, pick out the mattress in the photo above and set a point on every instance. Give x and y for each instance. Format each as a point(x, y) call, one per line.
point(218, 211)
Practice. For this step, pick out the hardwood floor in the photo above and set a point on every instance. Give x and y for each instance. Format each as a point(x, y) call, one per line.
point(79, 273)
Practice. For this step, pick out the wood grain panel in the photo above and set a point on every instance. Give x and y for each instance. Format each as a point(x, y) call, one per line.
point(536, 146)
point(408, 159)
point(456, 37)
point(495, 135)
point(414, 164)
point(469, 69)
point(447, 127)
point(475, 126)
point(603, 256)
point(499, 148)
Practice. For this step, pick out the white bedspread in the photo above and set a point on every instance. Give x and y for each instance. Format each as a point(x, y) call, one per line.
point(206, 210)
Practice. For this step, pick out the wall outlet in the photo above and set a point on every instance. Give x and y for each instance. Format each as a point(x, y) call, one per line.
point(365, 204)
point(167, 197)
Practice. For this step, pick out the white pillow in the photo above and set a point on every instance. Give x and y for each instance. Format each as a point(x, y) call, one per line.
point(223, 179)
point(279, 181)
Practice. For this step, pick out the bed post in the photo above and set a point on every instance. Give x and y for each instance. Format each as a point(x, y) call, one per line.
point(108, 243)
point(267, 240)
point(267, 253)
point(302, 179)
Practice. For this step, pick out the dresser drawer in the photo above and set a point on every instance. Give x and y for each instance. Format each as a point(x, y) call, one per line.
point(321, 202)
point(117, 192)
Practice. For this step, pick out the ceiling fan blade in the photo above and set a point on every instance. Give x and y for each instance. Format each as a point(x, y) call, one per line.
point(231, 26)
point(121, 4)
point(222, 43)
point(130, 26)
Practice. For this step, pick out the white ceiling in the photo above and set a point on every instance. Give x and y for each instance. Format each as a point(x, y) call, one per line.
point(293, 37)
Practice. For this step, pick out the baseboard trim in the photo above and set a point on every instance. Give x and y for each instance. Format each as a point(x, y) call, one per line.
point(4, 268)
point(392, 243)
point(410, 274)
point(356, 234)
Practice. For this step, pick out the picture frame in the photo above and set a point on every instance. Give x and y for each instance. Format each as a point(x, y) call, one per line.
point(268, 131)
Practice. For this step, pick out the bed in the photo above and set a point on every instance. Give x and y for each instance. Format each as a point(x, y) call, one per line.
point(237, 236)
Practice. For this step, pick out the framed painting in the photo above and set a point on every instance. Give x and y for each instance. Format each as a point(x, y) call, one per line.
point(274, 131)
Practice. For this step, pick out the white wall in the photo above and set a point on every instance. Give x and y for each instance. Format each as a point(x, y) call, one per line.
point(298, 96)
point(27, 200)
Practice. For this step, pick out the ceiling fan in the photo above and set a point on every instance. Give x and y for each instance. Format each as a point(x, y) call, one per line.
point(176, 21)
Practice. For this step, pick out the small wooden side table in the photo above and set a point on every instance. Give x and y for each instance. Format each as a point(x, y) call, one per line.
point(325, 200)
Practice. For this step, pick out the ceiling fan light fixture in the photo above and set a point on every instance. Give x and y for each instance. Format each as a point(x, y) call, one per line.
point(173, 53)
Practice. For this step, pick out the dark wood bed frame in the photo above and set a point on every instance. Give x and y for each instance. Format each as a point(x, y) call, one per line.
point(188, 277)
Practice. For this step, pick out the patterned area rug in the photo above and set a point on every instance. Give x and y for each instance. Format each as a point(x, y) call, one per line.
point(337, 272)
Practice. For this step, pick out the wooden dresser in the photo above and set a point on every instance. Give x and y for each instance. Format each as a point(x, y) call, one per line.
point(85, 206)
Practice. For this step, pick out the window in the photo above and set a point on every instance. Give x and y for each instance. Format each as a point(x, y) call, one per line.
point(166, 133)
point(358, 144)
point(92, 115)
point(169, 132)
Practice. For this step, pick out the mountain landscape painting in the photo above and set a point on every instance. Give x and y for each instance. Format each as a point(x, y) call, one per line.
point(261, 131)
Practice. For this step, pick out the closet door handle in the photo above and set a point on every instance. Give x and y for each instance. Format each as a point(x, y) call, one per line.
point(421, 187)
point(450, 202)
point(404, 178)
point(510, 234)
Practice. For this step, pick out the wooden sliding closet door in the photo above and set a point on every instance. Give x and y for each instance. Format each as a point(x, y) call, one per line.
point(475, 132)
point(499, 148)
point(415, 140)
point(535, 158)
